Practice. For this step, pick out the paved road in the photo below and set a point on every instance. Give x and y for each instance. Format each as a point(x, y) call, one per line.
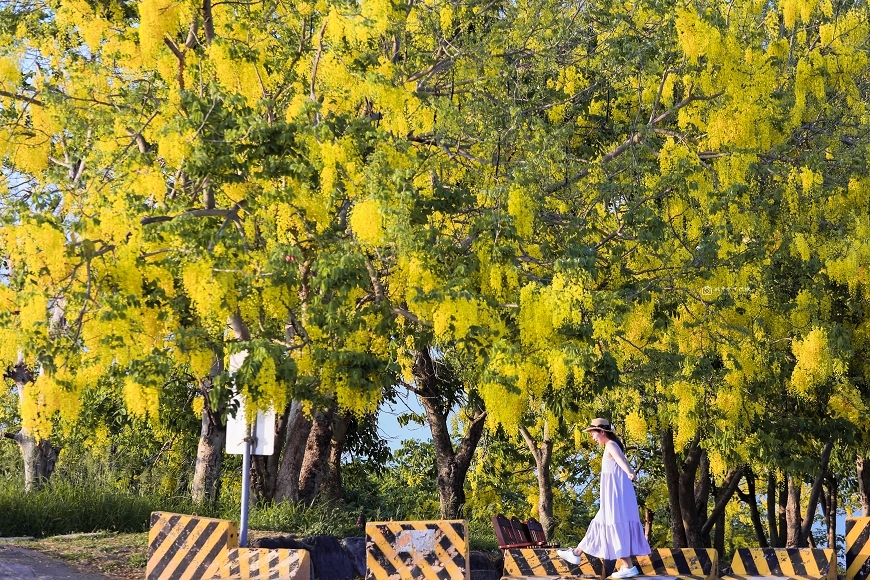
point(20, 564)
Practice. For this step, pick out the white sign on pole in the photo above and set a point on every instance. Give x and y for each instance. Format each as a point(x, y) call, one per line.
point(237, 428)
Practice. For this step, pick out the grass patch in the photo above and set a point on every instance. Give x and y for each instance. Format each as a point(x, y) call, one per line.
point(63, 508)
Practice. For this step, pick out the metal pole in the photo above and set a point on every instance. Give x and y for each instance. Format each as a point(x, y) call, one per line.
point(246, 488)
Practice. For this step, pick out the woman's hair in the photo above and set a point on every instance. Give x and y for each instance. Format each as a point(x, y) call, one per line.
point(613, 437)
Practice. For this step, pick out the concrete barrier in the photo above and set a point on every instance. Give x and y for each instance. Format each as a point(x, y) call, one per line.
point(857, 548)
point(796, 563)
point(413, 550)
point(545, 562)
point(261, 564)
point(680, 563)
point(182, 547)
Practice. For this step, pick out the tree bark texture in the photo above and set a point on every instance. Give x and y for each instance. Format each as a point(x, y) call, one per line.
point(719, 534)
point(783, 512)
point(750, 500)
point(295, 439)
point(331, 489)
point(206, 483)
point(39, 460)
point(688, 508)
point(772, 523)
point(316, 460)
point(815, 493)
point(702, 489)
point(793, 513)
point(543, 454)
point(832, 513)
point(209, 457)
point(729, 486)
point(672, 477)
point(452, 464)
point(40, 456)
point(265, 467)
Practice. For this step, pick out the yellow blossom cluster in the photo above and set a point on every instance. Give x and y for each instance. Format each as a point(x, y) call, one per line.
point(39, 402)
point(545, 309)
point(40, 245)
point(453, 318)
point(157, 19)
point(521, 208)
point(366, 222)
point(206, 291)
point(815, 362)
point(141, 400)
point(236, 74)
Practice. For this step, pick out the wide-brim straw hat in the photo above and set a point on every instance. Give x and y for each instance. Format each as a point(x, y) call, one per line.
point(599, 424)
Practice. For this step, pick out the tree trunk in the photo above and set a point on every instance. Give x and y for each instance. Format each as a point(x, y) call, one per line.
point(39, 460)
point(815, 492)
point(688, 508)
point(206, 483)
point(749, 499)
point(331, 489)
point(702, 493)
point(672, 478)
point(295, 439)
point(316, 461)
point(832, 513)
point(793, 513)
point(783, 512)
point(863, 467)
point(729, 486)
point(543, 454)
point(298, 425)
point(452, 464)
point(719, 535)
point(772, 526)
point(648, 524)
point(265, 467)
point(702, 489)
point(209, 457)
point(40, 456)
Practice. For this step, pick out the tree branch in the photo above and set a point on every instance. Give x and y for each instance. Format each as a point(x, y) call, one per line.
point(21, 98)
point(193, 212)
point(732, 480)
point(806, 526)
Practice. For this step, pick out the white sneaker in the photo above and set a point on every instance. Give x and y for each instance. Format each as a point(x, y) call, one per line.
point(569, 556)
point(626, 572)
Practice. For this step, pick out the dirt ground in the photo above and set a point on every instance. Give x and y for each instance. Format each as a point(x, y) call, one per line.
point(116, 556)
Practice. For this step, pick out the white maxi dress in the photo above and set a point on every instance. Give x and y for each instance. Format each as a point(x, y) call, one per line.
point(615, 531)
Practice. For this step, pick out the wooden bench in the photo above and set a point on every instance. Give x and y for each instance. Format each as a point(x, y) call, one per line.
point(794, 563)
point(674, 563)
point(512, 533)
point(524, 563)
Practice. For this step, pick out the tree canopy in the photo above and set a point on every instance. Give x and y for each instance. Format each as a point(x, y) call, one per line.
point(649, 211)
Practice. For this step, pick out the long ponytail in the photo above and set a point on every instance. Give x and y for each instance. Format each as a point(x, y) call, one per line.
point(615, 438)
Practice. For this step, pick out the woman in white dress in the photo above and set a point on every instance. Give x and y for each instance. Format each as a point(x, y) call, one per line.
point(615, 532)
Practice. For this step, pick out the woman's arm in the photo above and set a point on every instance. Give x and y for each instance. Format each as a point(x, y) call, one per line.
point(619, 458)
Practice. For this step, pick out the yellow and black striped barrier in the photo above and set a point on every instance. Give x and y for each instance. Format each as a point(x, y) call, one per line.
point(434, 550)
point(797, 563)
point(682, 563)
point(857, 548)
point(261, 564)
point(183, 547)
point(543, 562)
